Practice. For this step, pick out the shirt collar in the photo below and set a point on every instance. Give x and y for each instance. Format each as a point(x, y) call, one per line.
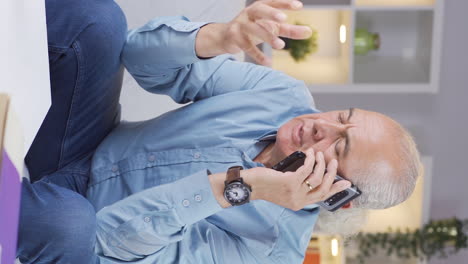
point(261, 143)
point(270, 136)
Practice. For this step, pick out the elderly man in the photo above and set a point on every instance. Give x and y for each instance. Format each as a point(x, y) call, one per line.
point(85, 40)
point(164, 189)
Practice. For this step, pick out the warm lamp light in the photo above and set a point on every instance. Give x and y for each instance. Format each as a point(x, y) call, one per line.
point(343, 34)
point(334, 247)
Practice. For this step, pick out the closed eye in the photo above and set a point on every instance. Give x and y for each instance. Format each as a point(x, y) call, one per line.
point(341, 120)
point(337, 149)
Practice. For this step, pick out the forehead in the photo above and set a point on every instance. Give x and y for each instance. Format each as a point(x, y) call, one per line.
point(370, 139)
point(369, 126)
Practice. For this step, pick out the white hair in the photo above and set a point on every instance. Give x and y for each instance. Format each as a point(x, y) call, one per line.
point(385, 184)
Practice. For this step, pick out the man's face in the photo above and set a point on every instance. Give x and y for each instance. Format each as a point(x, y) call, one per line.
point(354, 137)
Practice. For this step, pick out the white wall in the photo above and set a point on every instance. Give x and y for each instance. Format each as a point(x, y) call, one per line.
point(24, 68)
point(24, 65)
point(137, 104)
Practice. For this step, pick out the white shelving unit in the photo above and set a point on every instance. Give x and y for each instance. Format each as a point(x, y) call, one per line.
point(406, 62)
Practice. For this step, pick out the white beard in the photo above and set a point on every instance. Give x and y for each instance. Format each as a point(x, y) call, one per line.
point(344, 222)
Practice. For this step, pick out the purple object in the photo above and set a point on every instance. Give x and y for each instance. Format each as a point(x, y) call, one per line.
point(10, 189)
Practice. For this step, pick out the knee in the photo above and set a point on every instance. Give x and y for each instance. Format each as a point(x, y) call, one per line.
point(107, 32)
point(95, 24)
point(69, 218)
point(51, 218)
point(73, 220)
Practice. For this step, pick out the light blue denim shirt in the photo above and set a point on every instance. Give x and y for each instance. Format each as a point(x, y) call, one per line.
point(149, 179)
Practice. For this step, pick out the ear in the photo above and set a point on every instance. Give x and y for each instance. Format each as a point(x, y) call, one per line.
point(347, 206)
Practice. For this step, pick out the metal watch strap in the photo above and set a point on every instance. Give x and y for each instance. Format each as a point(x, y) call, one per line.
point(233, 174)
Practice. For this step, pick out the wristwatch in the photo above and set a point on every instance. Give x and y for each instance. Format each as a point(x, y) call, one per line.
point(236, 191)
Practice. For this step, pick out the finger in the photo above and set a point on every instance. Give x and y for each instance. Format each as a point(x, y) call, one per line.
point(254, 52)
point(319, 167)
point(294, 31)
point(337, 187)
point(305, 170)
point(328, 178)
point(316, 179)
point(270, 26)
point(284, 4)
point(264, 35)
point(308, 186)
point(264, 11)
point(249, 47)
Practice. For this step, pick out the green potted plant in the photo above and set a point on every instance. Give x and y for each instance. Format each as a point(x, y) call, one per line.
point(365, 41)
point(436, 239)
point(300, 48)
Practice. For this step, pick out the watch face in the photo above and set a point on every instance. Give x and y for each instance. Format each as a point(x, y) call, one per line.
point(236, 193)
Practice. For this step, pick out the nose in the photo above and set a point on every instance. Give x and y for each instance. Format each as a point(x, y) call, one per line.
point(326, 130)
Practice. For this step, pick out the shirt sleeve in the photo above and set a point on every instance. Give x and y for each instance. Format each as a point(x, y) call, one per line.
point(146, 222)
point(161, 57)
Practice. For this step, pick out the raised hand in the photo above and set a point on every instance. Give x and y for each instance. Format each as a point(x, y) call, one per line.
point(262, 21)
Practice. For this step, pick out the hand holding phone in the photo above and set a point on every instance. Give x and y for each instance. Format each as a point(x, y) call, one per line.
point(333, 203)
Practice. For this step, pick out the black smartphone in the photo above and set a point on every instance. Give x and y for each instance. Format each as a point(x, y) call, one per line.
point(291, 162)
point(333, 203)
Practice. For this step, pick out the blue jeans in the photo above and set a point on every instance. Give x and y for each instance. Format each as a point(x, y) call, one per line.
point(85, 38)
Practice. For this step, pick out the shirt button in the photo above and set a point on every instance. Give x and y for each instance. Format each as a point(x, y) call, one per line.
point(185, 203)
point(197, 155)
point(151, 158)
point(198, 198)
point(147, 219)
point(115, 168)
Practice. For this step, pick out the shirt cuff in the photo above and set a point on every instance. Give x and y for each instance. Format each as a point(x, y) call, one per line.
point(194, 199)
point(182, 39)
point(185, 44)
